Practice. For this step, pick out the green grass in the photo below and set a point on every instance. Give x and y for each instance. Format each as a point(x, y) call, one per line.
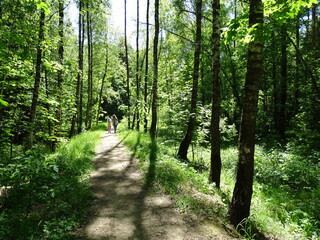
point(49, 194)
point(286, 193)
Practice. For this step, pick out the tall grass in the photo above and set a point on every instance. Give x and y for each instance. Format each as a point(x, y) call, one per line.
point(49, 193)
point(285, 203)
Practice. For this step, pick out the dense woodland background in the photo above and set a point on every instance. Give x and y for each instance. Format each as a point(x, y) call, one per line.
point(196, 67)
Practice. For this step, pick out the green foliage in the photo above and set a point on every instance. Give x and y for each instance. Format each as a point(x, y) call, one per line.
point(285, 201)
point(47, 194)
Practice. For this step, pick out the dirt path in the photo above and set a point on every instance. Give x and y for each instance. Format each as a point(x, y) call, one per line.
point(123, 210)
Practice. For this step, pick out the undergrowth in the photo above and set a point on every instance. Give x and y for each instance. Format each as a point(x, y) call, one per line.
point(47, 193)
point(285, 203)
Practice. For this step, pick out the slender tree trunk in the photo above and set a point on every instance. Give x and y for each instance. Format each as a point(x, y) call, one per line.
point(103, 82)
point(146, 73)
point(37, 79)
point(235, 88)
point(215, 169)
point(153, 128)
point(242, 194)
point(90, 84)
point(185, 143)
point(80, 70)
point(127, 61)
point(314, 26)
point(283, 83)
point(297, 77)
point(60, 72)
point(276, 104)
point(138, 70)
point(77, 117)
point(50, 131)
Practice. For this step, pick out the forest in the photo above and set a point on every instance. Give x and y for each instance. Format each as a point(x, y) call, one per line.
point(224, 92)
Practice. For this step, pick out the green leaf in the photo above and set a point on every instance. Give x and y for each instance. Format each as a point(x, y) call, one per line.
point(44, 7)
point(3, 103)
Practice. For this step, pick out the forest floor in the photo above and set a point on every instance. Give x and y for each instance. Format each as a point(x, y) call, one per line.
point(124, 208)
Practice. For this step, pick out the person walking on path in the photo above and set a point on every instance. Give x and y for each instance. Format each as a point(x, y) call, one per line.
point(109, 124)
point(115, 122)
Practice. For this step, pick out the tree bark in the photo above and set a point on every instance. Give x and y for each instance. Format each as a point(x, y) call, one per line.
point(283, 83)
point(37, 79)
point(215, 169)
point(80, 70)
point(297, 77)
point(77, 117)
point(153, 128)
point(242, 194)
point(103, 82)
point(127, 61)
point(50, 131)
point(60, 71)
point(185, 143)
point(138, 71)
point(90, 72)
point(146, 72)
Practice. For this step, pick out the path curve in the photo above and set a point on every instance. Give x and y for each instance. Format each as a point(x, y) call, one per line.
point(123, 210)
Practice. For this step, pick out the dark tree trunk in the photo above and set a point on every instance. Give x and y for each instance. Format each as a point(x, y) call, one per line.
point(50, 131)
point(153, 128)
point(103, 82)
point(90, 81)
point(77, 117)
point(146, 73)
point(242, 194)
point(185, 143)
point(314, 31)
point(80, 71)
point(283, 83)
point(276, 104)
point(127, 61)
point(215, 169)
point(37, 79)
point(138, 70)
point(60, 72)
point(297, 77)
point(235, 89)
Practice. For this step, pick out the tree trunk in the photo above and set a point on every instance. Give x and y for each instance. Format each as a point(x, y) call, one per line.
point(153, 128)
point(235, 89)
point(276, 115)
point(60, 71)
point(90, 84)
point(103, 81)
point(185, 143)
point(127, 61)
point(297, 77)
point(283, 83)
point(242, 194)
point(138, 70)
point(80, 71)
point(77, 117)
point(146, 73)
point(215, 169)
point(50, 131)
point(37, 79)
point(314, 26)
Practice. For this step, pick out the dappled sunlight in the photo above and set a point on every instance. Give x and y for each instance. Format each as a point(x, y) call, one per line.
point(123, 209)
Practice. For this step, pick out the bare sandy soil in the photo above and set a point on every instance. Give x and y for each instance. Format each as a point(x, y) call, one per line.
point(123, 209)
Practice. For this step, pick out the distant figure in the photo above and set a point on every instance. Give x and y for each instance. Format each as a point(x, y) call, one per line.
point(109, 124)
point(115, 122)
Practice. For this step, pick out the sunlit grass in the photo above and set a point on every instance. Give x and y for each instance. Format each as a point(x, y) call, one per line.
point(78, 152)
point(49, 194)
point(276, 211)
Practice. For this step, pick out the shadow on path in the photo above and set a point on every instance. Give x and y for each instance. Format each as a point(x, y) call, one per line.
point(123, 207)
point(140, 232)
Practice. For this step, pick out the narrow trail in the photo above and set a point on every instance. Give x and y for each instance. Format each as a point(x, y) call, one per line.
point(123, 209)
